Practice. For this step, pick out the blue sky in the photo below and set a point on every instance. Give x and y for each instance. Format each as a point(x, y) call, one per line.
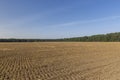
point(58, 18)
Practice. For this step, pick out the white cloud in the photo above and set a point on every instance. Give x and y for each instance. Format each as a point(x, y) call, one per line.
point(86, 21)
point(28, 19)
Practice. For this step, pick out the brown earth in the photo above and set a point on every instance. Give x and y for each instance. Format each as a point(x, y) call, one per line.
point(60, 61)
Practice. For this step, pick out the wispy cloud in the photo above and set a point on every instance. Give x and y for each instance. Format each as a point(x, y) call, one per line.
point(86, 21)
point(16, 26)
point(28, 19)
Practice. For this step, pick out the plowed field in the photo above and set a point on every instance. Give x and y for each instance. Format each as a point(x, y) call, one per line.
point(60, 61)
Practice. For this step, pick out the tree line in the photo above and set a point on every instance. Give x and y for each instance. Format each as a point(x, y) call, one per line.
point(111, 37)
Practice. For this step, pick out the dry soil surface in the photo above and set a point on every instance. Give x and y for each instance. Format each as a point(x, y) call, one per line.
point(60, 61)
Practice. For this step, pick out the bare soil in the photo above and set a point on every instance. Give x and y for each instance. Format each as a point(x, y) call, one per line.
point(60, 61)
